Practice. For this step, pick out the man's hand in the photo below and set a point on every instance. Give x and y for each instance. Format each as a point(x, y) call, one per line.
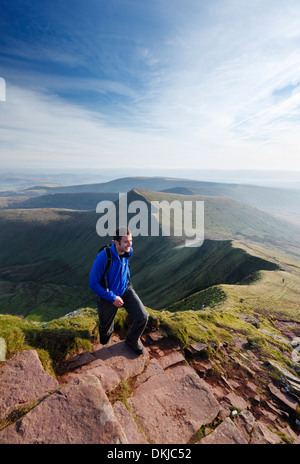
point(118, 302)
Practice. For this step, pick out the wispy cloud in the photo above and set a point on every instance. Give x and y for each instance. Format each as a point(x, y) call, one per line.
point(207, 84)
point(43, 129)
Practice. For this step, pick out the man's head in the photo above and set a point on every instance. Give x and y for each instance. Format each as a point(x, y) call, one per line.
point(123, 240)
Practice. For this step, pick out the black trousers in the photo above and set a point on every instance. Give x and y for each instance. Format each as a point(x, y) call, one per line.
point(107, 312)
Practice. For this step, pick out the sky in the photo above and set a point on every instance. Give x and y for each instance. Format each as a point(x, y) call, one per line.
point(185, 84)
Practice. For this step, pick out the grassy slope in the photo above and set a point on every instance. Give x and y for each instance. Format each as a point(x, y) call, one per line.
point(228, 218)
point(269, 295)
point(64, 244)
point(76, 201)
point(222, 320)
point(269, 299)
point(272, 299)
point(47, 272)
point(172, 274)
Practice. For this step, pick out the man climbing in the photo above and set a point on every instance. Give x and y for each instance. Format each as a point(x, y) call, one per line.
point(114, 289)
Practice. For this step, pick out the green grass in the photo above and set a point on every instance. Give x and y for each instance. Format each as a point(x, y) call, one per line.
point(173, 274)
point(46, 273)
point(215, 315)
point(121, 393)
point(211, 296)
point(54, 341)
point(16, 414)
point(57, 339)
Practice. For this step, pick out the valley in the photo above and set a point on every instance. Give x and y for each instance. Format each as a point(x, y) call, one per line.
point(230, 307)
point(47, 252)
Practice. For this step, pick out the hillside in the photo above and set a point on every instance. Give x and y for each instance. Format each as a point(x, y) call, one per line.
point(279, 201)
point(228, 366)
point(47, 273)
point(76, 201)
point(226, 219)
point(222, 360)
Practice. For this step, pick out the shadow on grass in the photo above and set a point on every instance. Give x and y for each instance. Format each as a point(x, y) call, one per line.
point(59, 343)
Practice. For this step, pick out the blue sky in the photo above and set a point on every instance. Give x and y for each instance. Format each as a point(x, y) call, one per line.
point(192, 84)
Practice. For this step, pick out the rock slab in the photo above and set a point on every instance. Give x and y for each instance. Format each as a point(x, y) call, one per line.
point(110, 364)
point(122, 359)
point(171, 408)
point(226, 433)
point(286, 399)
point(133, 434)
point(23, 380)
point(78, 413)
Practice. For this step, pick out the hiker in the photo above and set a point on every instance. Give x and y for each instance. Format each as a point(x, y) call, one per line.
point(114, 289)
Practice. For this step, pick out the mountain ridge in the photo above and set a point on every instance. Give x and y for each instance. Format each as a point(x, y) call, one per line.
point(223, 330)
point(62, 244)
point(281, 201)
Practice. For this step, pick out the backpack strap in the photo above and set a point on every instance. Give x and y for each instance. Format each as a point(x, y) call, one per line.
point(103, 280)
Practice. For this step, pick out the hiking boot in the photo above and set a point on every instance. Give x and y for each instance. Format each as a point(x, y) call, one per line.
point(136, 347)
point(105, 340)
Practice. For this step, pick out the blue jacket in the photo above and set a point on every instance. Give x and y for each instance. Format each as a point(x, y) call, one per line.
point(117, 276)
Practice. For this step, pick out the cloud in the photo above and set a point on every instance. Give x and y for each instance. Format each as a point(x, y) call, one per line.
point(219, 90)
point(45, 130)
point(199, 85)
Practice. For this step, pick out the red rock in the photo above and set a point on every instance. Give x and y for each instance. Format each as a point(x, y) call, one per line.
point(251, 386)
point(174, 357)
point(179, 372)
point(23, 380)
point(79, 413)
point(203, 366)
point(153, 368)
point(122, 359)
point(156, 336)
point(268, 415)
point(133, 434)
point(171, 411)
point(197, 348)
point(219, 392)
point(244, 422)
point(107, 376)
point(233, 384)
point(225, 434)
point(79, 360)
point(286, 399)
point(261, 435)
point(236, 401)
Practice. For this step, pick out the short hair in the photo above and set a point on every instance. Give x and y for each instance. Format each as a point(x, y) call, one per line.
point(121, 232)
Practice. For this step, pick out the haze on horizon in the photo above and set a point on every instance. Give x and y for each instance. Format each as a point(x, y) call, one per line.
point(162, 85)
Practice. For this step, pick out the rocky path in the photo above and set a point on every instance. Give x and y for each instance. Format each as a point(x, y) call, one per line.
point(113, 396)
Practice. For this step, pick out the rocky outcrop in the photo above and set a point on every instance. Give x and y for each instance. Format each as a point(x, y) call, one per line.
point(226, 434)
point(23, 381)
point(180, 402)
point(79, 412)
point(113, 396)
point(133, 434)
point(110, 364)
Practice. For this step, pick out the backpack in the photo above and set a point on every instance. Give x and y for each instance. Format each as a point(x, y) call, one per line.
point(103, 280)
